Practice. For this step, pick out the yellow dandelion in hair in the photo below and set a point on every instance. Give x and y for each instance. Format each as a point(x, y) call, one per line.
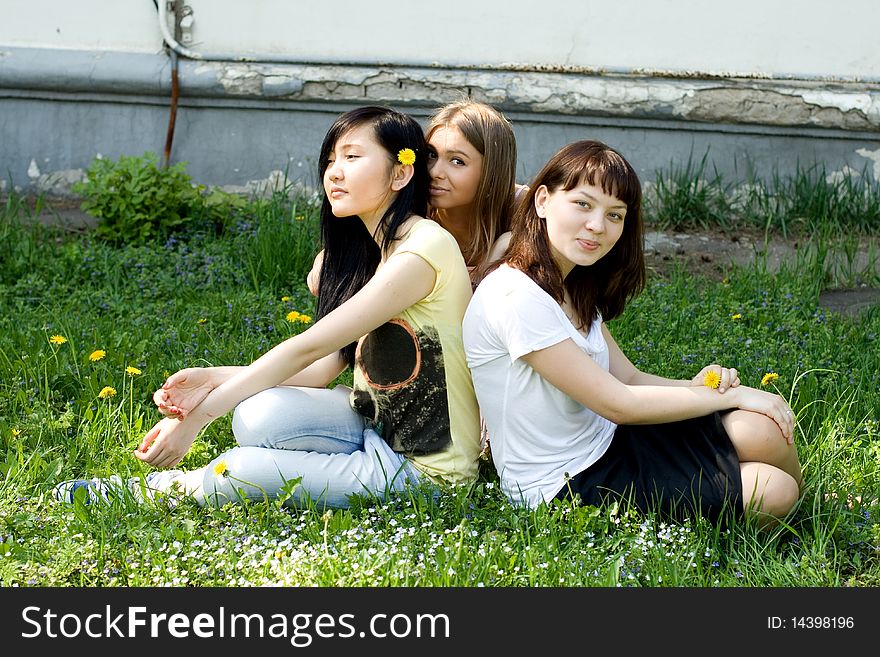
point(736, 316)
point(292, 316)
point(285, 299)
point(769, 377)
point(57, 339)
point(220, 469)
point(711, 380)
point(132, 370)
point(107, 392)
point(97, 354)
point(406, 156)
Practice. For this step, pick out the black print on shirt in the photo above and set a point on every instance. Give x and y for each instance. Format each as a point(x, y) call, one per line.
point(406, 382)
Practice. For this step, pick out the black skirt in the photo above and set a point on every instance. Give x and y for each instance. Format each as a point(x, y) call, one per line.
point(679, 469)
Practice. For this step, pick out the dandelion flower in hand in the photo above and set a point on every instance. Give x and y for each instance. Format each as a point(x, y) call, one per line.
point(768, 378)
point(712, 379)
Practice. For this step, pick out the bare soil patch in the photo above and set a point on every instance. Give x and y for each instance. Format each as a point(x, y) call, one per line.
point(711, 254)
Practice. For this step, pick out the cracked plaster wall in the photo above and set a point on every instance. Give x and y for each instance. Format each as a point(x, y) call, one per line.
point(233, 112)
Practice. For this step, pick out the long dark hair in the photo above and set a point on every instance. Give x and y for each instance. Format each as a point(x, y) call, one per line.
point(351, 255)
point(606, 286)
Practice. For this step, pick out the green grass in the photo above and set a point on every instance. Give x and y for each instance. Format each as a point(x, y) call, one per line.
point(812, 201)
point(215, 297)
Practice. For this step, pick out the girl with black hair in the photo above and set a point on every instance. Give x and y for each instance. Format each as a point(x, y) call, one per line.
point(472, 166)
point(392, 295)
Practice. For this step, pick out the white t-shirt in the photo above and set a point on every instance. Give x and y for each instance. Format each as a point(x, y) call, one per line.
point(539, 435)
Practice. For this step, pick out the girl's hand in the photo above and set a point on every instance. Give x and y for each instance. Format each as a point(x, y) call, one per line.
point(183, 391)
point(728, 375)
point(313, 280)
point(769, 404)
point(167, 443)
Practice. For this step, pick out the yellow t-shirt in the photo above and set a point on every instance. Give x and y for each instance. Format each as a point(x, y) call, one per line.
point(411, 376)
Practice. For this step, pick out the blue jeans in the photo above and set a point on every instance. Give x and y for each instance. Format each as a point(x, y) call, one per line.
point(285, 433)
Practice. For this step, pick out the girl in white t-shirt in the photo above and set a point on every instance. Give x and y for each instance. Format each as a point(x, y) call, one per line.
point(570, 416)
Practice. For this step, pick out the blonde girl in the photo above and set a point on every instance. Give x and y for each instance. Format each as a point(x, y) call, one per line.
point(472, 168)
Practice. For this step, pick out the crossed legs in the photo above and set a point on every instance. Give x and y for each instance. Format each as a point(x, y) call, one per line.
point(769, 466)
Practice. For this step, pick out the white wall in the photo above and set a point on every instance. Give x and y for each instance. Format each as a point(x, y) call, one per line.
point(119, 25)
point(804, 38)
point(697, 75)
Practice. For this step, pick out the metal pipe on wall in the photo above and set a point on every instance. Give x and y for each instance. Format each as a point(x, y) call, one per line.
point(175, 82)
point(172, 113)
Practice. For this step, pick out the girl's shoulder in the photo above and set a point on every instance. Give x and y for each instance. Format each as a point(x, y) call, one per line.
point(506, 282)
point(421, 230)
point(414, 225)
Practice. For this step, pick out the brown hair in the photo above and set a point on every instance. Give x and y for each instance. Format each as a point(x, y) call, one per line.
point(489, 131)
point(606, 286)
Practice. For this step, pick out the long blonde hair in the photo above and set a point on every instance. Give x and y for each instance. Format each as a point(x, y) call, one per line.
point(489, 131)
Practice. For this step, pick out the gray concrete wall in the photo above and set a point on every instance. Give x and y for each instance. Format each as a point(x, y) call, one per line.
point(240, 122)
point(757, 87)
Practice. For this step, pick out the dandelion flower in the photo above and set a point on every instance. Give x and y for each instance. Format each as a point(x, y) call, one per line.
point(293, 316)
point(16, 433)
point(57, 339)
point(711, 380)
point(768, 378)
point(132, 370)
point(201, 320)
point(736, 316)
point(107, 392)
point(406, 156)
point(305, 319)
point(97, 354)
point(220, 469)
point(285, 299)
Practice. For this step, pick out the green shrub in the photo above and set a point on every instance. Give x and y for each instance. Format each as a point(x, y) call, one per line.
point(137, 201)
